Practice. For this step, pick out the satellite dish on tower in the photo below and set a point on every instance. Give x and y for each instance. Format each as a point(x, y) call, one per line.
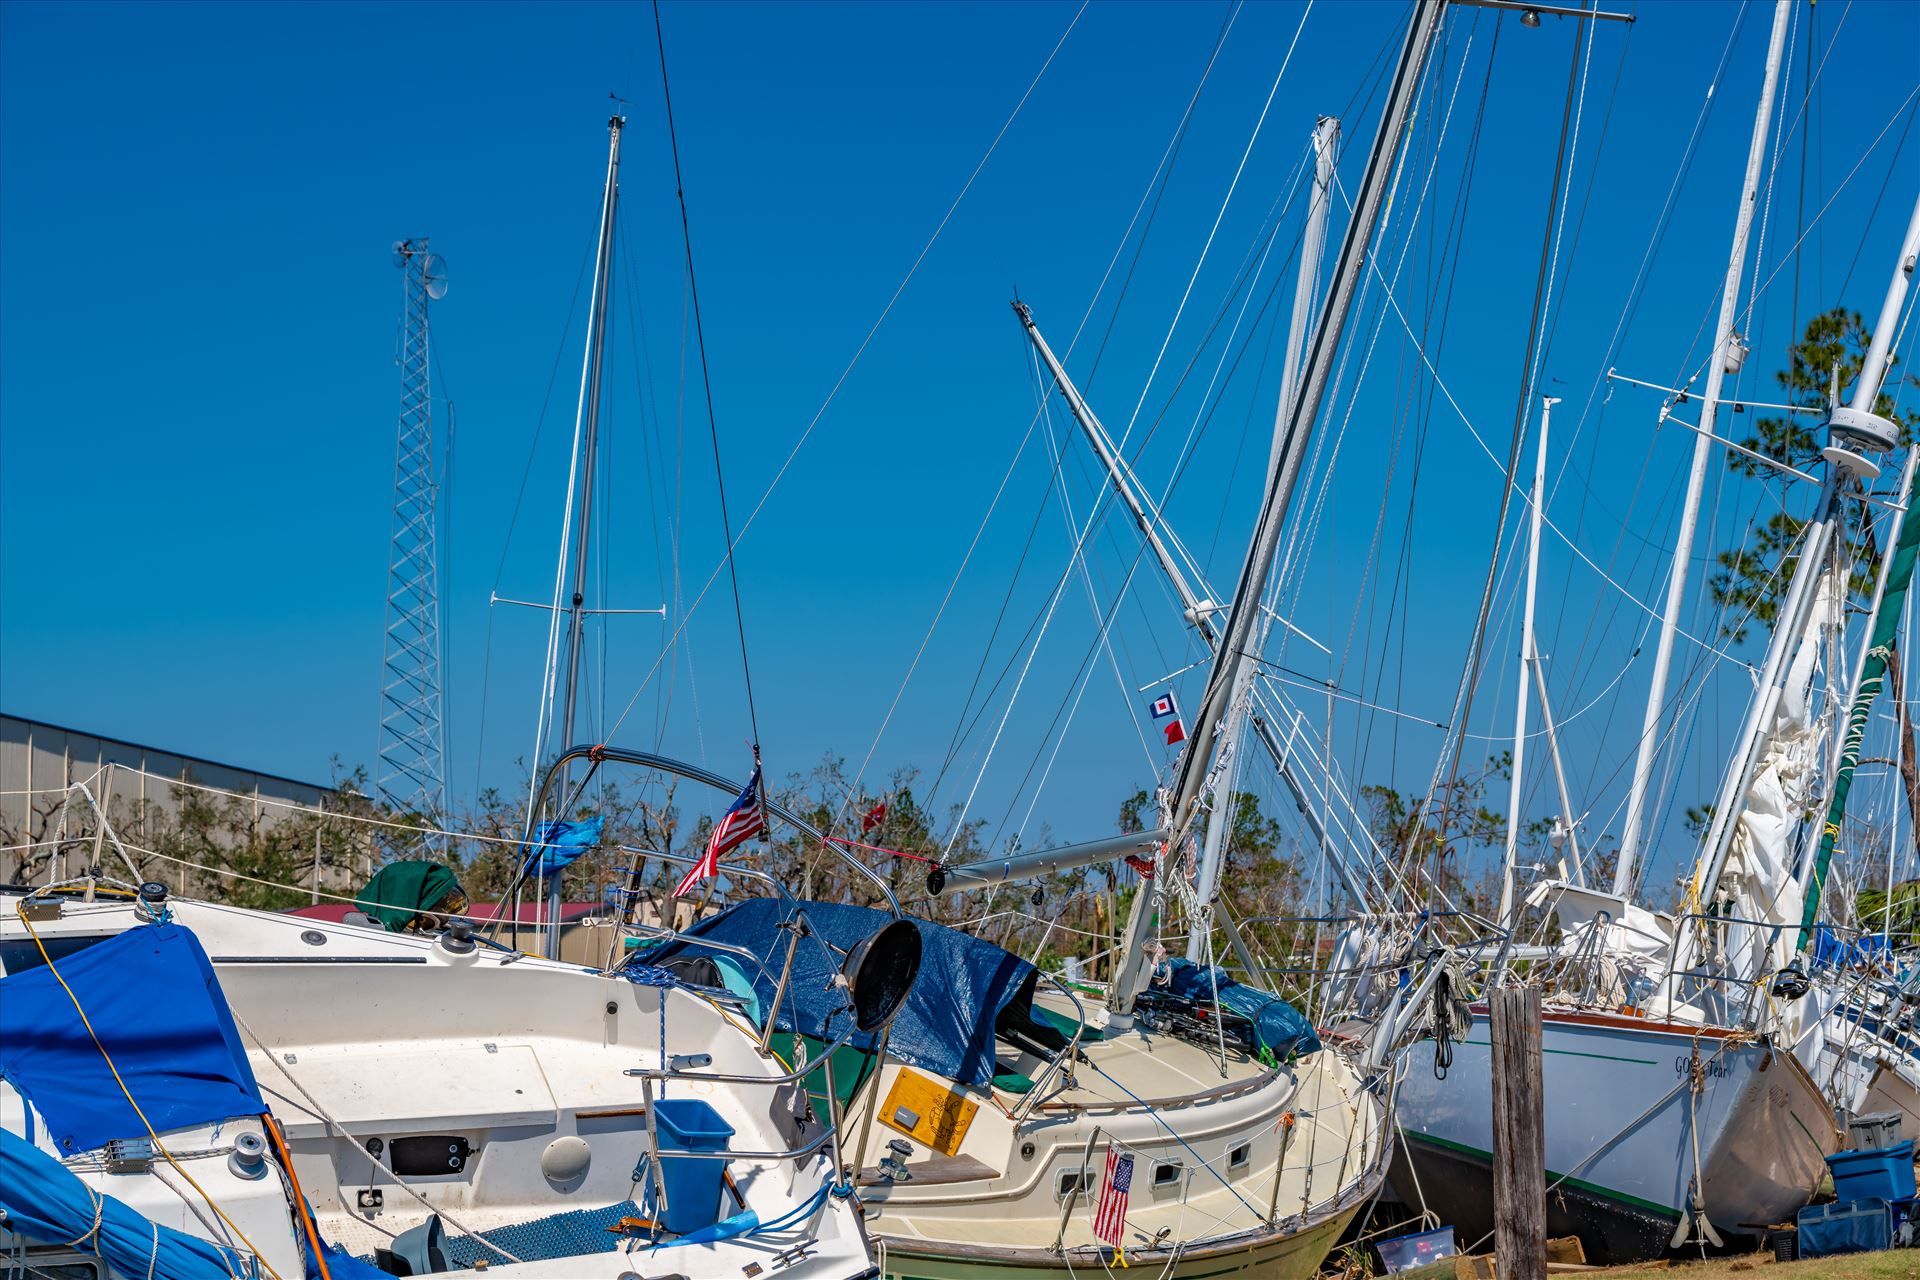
point(436, 276)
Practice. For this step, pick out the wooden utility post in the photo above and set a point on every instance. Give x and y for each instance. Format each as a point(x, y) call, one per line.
point(1519, 1145)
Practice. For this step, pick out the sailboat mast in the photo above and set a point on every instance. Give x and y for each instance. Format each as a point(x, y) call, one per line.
point(1313, 243)
point(1197, 610)
point(1850, 427)
point(589, 411)
point(1878, 647)
point(1220, 815)
point(1518, 770)
point(1726, 357)
point(1239, 634)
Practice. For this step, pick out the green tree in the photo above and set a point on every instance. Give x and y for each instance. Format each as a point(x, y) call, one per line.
point(1426, 838)
point(1753, 577)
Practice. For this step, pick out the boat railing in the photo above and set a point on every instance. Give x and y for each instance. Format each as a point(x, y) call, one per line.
point(595, 755)
point(652, 1077)
point(1063, 1060)
point(1735, 993)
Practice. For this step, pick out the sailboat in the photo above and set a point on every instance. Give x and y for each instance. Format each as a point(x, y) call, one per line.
point(1680, 1106)
point(427, 1101)
point(1159, 1120)
point(368, 1102)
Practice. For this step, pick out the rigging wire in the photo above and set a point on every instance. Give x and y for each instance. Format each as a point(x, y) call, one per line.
point(687, 615)
point(1528, 372)
point(963, 727)
point(519, 502)
point(1206, 248)
point(706, 381)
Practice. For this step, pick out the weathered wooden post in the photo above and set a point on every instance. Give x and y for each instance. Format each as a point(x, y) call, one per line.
point(1519, 1147)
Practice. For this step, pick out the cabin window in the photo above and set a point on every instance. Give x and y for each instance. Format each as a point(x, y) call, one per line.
point(1240, 1156)
point(1166, 1174)
point(1070, 1181)
point(22, 954)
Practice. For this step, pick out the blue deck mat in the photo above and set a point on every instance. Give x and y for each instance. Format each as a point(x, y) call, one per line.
point(558, 1235)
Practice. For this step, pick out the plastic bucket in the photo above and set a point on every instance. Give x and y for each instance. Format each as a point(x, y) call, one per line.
point(692, 1185)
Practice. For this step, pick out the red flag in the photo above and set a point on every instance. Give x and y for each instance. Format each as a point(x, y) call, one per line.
point(1175, 733)
point(875, 816)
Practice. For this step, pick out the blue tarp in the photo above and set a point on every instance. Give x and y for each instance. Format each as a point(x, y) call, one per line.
point(946, 1026)
point(1280, 1027)
point(158, 1010)
point(47, 1202)
point(555, 846)
point(1841, 952)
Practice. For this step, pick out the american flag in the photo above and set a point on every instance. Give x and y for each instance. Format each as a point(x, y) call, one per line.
point(1110, 1219)
point(745, 820)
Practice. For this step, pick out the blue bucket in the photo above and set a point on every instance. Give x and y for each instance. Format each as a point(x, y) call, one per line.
point(1885, 1173)
point(692, 1185)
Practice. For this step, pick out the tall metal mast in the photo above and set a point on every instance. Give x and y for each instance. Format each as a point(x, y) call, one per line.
point(1526, 657)
point(1213, 849)
point(1853, 430)
point(587, 416)
point(1196, 610)
point(1728, 352)
point(1238, 636)
point(579, 528)
point(413, 734)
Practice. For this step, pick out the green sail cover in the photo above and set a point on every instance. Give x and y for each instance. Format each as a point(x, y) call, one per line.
point(401, 891)
point(1873, 675)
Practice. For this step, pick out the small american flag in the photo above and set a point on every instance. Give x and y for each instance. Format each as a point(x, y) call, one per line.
point(1110, 1219)
point(745, 820)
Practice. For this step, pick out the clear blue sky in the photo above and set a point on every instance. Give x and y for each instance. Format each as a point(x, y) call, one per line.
point(197, 331)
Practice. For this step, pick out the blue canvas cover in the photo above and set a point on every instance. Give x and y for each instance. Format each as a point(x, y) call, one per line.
point(152, 998)
point(1282, 1029)
point(946, 1025)
point(46, 1202)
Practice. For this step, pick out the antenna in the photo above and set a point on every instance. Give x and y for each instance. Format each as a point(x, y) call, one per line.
point(413, 737)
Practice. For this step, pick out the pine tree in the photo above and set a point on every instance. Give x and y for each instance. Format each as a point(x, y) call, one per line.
point(1753, 577)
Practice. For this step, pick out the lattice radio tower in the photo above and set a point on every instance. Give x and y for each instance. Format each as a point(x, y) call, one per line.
point(413, 737)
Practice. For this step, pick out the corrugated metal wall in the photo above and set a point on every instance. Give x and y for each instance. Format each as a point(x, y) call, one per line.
point(38, 761)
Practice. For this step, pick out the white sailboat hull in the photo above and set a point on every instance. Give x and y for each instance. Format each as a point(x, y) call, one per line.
point(1631, 1122)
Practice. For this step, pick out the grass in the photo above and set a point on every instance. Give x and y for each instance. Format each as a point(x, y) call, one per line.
point(1894, 1264)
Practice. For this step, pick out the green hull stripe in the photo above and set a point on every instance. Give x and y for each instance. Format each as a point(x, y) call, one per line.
point(1575, 1053)
point(1593, 1188)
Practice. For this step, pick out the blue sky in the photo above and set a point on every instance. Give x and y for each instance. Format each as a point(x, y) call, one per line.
point(197, 387)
